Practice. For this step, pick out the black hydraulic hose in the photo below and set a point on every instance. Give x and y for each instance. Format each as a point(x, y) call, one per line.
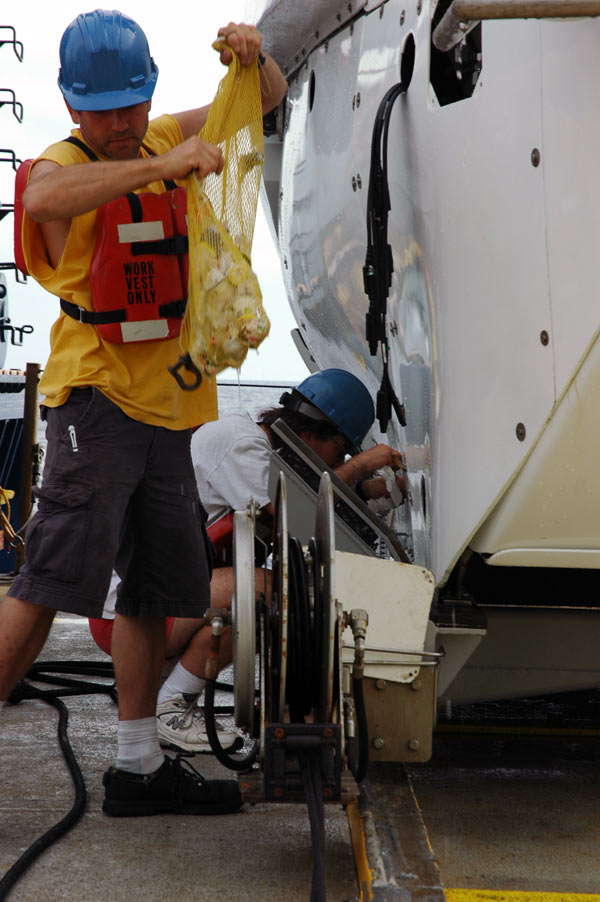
point(379, 264)
point(313, 791)
point(42, 671)
point(89, 668)
point(379, 261)
point(211, 730)
point(293, 683)
point(359, 771)
point(300, 687)
point(317, 636)
point(352, 766)
point(304, 685)
point(74, 687)
point(70, 819)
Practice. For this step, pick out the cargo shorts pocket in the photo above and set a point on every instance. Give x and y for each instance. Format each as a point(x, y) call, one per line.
point(68, 421)
point(57, 537)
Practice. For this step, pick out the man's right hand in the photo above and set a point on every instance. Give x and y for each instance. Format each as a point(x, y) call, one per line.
point(377, 457)
point(362, 465)
point(193, 155)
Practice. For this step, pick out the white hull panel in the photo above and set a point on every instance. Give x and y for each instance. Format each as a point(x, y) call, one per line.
point(490, 251)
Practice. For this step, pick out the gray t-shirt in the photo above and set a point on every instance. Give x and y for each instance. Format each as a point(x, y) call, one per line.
point(231, 462)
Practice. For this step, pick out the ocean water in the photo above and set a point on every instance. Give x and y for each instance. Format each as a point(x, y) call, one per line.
point(234, 397)
point(251, 397)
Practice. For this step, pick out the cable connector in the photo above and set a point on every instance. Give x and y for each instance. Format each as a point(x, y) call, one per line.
point(358, 622)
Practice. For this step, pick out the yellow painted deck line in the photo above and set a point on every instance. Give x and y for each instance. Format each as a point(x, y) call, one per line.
point(492, 895)
point(363, 871)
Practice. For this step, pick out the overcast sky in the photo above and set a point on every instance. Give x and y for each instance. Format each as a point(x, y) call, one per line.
point(180, 36)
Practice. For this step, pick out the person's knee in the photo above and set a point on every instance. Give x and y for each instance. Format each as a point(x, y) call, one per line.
point(221, 587)
point(21, 610)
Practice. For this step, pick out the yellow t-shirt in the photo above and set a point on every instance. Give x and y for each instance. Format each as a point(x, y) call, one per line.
point(133, 375)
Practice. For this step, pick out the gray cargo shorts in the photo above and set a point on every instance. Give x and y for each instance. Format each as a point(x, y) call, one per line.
point(115, 493)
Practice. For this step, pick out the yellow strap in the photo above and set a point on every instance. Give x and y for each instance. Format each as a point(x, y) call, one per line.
point(363, 871)
point(492, 895)
point(5, 524)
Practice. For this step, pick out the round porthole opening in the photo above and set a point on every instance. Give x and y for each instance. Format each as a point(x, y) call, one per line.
point(407, 63)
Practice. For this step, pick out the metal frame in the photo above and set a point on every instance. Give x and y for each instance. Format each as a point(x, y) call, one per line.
point(16, 45)
point(325, 539)
point(462, 15)
point(281, 531)
point(243, 620)
point(17, 107)
point(341, 492)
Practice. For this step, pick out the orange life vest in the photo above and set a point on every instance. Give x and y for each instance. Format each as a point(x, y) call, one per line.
point(20, 185)
point(139, 267)
point(138, 273)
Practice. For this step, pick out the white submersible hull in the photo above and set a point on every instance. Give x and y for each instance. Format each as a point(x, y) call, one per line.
point(491, 323)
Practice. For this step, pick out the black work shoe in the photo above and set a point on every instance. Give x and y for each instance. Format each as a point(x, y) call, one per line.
point(171, 789)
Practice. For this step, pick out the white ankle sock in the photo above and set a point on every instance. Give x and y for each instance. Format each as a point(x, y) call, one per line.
point(180, 680)
point(138, 750)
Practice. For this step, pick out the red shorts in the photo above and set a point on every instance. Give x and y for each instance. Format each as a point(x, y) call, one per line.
point(101, 629)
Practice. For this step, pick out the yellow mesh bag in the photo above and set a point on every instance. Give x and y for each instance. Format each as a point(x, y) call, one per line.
point(224, 314)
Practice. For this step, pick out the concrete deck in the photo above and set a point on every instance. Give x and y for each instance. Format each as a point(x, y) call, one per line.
point(514, 814)
point(504, 814)
point(262, 853)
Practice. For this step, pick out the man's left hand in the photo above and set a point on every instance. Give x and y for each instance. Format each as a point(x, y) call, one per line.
point(377, 487)
point(245, 40)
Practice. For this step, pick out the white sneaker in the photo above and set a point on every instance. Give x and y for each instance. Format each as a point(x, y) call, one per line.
point(181, 725)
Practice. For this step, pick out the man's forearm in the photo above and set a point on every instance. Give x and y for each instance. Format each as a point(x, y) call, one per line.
point(65, 192)
point(273, 86)
point(351, 471)
point(367, 462)
point(56, 193)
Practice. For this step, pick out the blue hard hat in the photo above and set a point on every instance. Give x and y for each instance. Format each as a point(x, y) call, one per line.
point(105, 62)
point(341, 397)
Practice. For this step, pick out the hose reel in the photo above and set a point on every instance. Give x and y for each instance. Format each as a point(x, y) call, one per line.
point(301, 720)
point(296, 631)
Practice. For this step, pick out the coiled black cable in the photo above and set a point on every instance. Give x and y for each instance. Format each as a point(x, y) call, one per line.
point(301, 660)
point(313, 791)
point(70, 819)
point(317, 600)
point(42, 672)
point(305, 646)
point(221, 754)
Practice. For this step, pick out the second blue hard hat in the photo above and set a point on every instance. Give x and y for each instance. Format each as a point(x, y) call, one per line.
point(105, 62)
point(342, 398)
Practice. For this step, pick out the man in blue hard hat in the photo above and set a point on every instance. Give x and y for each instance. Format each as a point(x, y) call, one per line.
point(118, 480)
point(331, 410)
